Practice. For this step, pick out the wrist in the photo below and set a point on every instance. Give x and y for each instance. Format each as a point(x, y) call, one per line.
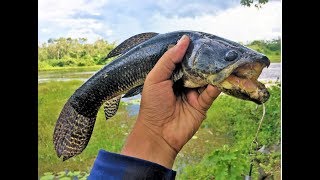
point(146, 144)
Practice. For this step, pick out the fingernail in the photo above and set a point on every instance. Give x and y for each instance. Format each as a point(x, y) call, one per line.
point(182, 39)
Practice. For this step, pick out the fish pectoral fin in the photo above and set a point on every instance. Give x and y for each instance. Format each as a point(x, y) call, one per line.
point(130, 43)
point(178, 87)
point(134, 91)
point(177, 73)
point(111, 106)
point(177, 80)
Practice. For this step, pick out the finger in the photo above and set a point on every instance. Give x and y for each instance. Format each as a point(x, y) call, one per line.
point(200, 90)
point(163, 69)
point(206, 98)
point(192, 97)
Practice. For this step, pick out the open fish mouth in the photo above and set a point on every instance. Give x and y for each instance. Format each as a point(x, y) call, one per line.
point(243, 83)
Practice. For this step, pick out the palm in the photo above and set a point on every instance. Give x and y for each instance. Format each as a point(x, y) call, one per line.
point(178, 118)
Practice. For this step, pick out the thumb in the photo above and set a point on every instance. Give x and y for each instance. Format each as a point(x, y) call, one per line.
point(164, 67)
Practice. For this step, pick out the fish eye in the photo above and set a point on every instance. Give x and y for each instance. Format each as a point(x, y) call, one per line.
point(231, 55)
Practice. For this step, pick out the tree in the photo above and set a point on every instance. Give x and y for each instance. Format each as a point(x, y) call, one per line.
point(258, 3)
point(50, 40)
point(73, 52)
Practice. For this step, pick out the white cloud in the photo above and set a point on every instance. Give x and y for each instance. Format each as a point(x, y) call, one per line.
point(58, 18)
point(45, 30)
point(56, 9)
point(237, 24)
point(118, 20)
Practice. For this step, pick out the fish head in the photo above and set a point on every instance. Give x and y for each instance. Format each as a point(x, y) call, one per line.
point(230, 66)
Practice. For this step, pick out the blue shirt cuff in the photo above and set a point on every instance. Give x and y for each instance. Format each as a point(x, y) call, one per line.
point(116, 166)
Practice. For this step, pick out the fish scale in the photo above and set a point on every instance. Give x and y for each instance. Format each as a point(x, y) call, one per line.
point(209, 60)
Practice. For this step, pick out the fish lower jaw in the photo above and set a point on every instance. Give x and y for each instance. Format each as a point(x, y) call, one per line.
point(241, 82)
point(244, 88)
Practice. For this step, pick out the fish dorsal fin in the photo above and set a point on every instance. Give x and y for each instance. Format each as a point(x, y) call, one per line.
point(210, 36)
point(130, 43)
point(134, 91)
point(111, 107)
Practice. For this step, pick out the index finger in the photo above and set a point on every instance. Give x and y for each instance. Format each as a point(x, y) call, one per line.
point(164, 67)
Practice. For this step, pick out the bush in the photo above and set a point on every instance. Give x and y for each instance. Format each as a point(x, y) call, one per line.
point(224, 163)
point(232, 161)
point(43, 65)
point(62, 62)
point(88, 61)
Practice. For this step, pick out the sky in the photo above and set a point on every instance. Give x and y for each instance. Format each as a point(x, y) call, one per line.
point(117, 20)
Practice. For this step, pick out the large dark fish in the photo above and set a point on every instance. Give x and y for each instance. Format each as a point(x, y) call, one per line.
point(210, 59)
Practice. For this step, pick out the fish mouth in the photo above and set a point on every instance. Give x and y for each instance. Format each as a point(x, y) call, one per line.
point(243, 82)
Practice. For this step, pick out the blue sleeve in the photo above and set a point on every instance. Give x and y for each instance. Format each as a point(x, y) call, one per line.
point(116, 166)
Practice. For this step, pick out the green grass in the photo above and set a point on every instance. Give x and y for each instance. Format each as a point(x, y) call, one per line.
point(229, 121)
point(72, 69)
point(67, 175)
point(108, 135)
point(274, 56)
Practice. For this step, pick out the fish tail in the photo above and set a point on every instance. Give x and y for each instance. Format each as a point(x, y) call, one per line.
point(72, 132)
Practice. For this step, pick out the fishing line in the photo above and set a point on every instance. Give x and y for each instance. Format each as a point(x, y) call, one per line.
point(256, 136)
point(252, 151)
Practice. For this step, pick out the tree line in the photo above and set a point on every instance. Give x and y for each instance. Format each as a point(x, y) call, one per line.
point(63, 52)
point(69, 52)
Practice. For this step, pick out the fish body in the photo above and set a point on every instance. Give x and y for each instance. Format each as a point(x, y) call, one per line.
point(209, 59)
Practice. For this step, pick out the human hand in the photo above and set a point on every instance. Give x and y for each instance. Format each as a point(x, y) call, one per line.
point(167, 122)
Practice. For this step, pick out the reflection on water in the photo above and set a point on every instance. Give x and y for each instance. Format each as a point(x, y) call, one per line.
point(133, 109)
point(63, 76)
point(42, 80)
point(273, 72)
point(133, 104)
